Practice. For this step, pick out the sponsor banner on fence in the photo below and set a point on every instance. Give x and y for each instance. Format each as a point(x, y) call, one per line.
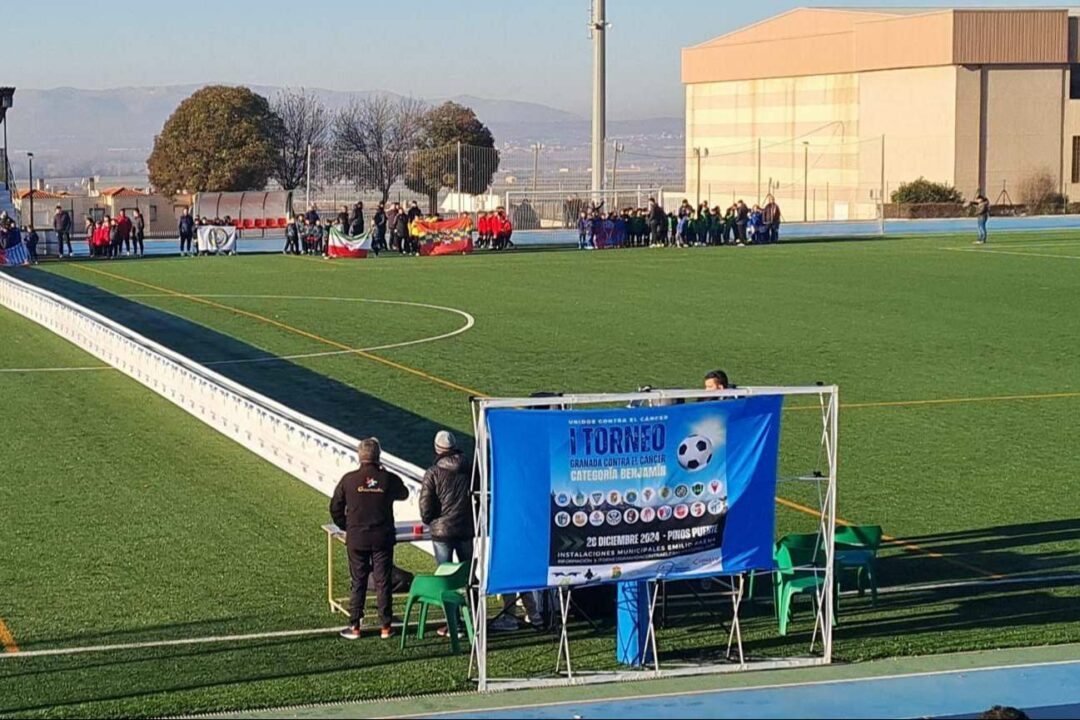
point(341, 245)
point(216, 239)
point(593, 496)
point(443, 237)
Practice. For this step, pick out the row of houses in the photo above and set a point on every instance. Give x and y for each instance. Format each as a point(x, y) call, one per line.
point(161, 212)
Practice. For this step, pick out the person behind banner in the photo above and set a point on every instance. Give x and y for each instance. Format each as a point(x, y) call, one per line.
point(343, 219)
point(356, 220)
point(363, 504)
point(413, 215)
point(378, 242)
point(400, 231)
point(717, 380)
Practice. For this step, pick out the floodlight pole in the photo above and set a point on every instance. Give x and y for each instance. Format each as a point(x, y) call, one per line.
point(307, 179)
point(617, 147)
point(698, 152)
point(536, 148)
point(598, 29)
point(30, 158)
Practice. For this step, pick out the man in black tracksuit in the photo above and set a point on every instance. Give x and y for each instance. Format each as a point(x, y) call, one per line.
point(363, 504)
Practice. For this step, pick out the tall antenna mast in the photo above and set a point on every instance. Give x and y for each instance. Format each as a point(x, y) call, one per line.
point(597, 31)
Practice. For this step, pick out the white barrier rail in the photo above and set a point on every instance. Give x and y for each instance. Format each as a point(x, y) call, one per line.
point(307, 449)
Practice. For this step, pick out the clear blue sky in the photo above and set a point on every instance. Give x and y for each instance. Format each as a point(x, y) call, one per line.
point(534, 50)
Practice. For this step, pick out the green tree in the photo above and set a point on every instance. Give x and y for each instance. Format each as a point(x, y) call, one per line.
point(219, 139)
point(434, 165)
point(921, 191)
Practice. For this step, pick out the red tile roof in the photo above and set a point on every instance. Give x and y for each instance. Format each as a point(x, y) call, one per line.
point(122, 192)
point(41, 195)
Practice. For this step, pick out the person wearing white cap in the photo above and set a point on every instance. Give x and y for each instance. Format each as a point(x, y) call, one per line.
point(446, 503)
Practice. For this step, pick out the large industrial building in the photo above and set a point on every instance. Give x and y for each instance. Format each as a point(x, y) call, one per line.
point(828, 107)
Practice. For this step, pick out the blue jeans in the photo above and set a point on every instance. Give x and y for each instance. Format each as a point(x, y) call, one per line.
point(446, 549)
point(982, 228)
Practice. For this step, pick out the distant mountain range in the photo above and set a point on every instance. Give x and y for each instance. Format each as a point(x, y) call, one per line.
point(75, 132)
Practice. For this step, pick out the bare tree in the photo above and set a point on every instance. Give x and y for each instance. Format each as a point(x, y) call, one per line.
point(304, 121)
point(379, 132)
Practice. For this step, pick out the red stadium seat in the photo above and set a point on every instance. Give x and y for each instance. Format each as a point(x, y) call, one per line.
point(282, 223)
point(237, 223)
point(249, 224)
point(260, 223)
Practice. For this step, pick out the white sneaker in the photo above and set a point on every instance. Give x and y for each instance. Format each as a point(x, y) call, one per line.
point(505, 623)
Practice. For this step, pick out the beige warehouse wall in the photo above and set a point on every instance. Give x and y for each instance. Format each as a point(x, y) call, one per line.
point(728, 118)
point(1023, 126)
point(968, 104)
point(916, 112)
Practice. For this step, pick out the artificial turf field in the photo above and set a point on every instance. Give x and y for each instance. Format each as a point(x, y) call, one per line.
point(127, 521)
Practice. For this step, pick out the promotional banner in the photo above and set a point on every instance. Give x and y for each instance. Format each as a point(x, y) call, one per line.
point(353, 246)
point(443, 237)
point(592, 496)
point(15, 255)
point(216, 239)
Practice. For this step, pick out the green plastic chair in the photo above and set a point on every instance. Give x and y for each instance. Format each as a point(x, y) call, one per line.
point(856, 550)
point(445, 590)
point(797, 540)
point(795, 575)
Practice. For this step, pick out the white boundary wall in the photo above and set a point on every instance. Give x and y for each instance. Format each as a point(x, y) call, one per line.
point(307, 449)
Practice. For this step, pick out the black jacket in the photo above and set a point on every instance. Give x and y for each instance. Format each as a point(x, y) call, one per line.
point(363, 504)
point(401, 225)
point(446, 498)
point(356, 222)
point(62, 221)
point(657, 219)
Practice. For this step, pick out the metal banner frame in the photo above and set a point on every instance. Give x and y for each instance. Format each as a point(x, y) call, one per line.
point(828, 397)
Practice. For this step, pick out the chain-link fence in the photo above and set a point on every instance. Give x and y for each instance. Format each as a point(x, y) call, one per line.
point(465, 178)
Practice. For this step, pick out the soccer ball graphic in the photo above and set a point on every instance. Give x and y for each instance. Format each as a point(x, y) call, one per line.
point(695, 452)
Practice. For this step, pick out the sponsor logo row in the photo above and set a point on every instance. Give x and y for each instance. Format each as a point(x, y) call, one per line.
point(646, 495)
point(631, 516)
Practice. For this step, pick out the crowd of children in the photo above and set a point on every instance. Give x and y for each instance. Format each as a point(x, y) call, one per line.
point(111, 237)
point(494, 229)
point(738, 225)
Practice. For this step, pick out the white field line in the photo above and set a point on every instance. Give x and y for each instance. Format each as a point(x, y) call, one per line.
point(1075, 577)
point(1066, 242)
point(470, 321)
point(56, 369)
point(982, 250)
point(79, 650)
point(1033, 580)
